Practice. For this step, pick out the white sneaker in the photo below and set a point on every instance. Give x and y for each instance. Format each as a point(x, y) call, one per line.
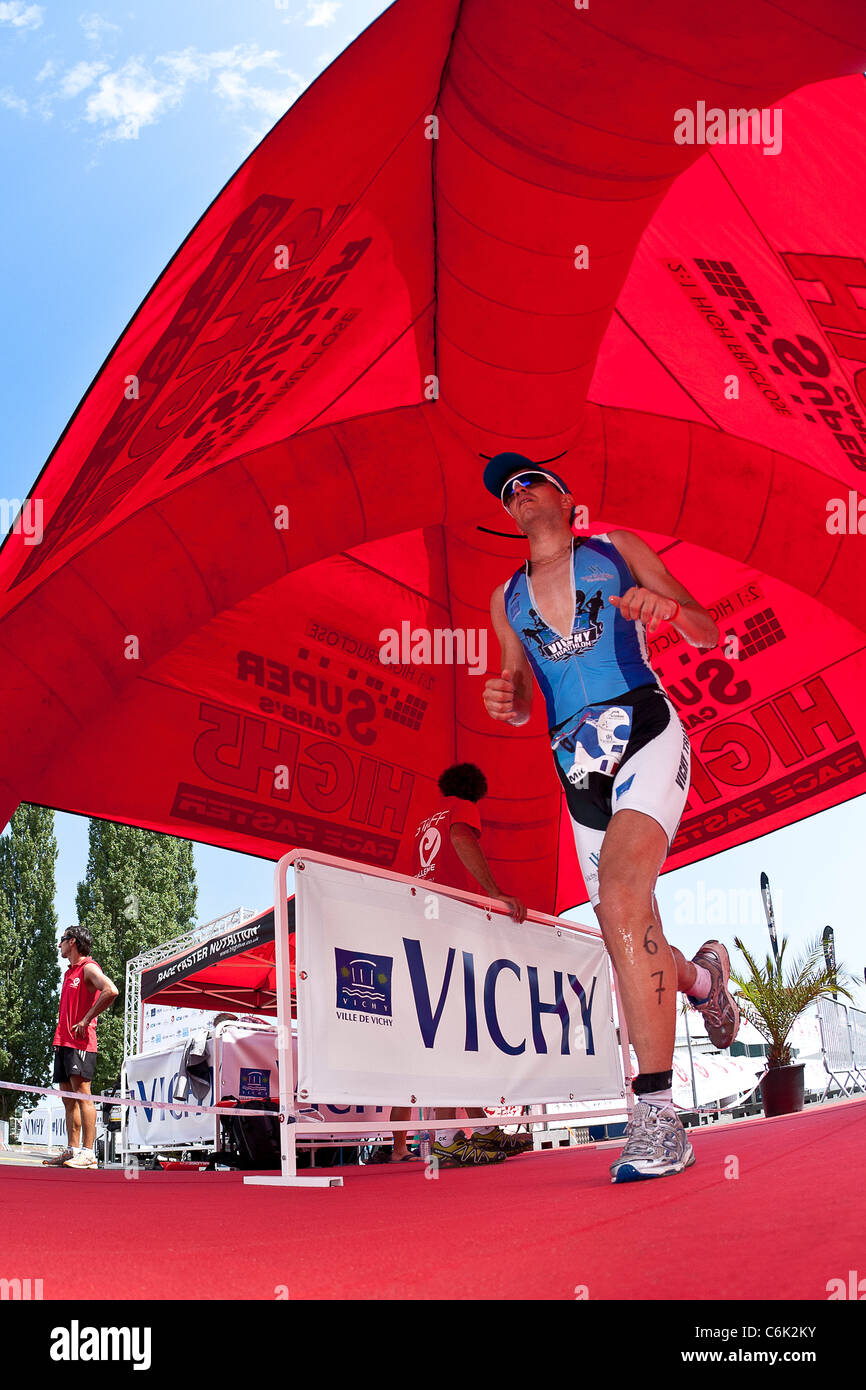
point(656, 1145)
point(82, 1160)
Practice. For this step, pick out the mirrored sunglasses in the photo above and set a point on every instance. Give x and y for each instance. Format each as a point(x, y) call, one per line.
point(522, 480)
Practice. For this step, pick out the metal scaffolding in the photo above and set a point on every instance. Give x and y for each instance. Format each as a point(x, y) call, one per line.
point(155, 955)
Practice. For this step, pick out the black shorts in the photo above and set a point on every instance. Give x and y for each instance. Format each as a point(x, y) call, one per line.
point(649, 771)
point(68, 1061)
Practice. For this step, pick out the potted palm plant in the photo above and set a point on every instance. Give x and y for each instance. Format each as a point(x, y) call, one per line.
point(772, 1000)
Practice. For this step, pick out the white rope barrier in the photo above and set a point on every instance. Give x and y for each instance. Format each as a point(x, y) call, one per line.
point(179, 1107)
point(307, 1126)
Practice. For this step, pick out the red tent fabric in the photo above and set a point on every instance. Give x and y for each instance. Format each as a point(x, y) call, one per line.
point(235, 970)
point(279, 459)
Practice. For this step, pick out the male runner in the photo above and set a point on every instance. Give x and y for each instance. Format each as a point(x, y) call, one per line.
point(85, 993)
point(448, 850)
point(623, 759)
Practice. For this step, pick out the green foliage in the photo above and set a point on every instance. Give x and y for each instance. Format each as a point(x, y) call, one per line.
point(772, 1001)
point(139, 890)
point(29, 973)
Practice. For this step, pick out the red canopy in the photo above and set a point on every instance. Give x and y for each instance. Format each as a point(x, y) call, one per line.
point(235, 970)
point(279, 459)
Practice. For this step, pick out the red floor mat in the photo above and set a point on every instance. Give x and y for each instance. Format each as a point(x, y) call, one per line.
point(772, 1209)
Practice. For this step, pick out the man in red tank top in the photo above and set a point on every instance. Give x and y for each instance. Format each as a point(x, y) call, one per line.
point(85, 992)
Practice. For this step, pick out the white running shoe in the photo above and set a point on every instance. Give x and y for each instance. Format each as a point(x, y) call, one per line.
point(82, 1160)
point(656, 1145)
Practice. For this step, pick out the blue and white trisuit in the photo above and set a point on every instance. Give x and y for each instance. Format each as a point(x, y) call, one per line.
point(617, 740)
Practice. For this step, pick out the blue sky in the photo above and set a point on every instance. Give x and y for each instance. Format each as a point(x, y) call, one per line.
point(120, 123)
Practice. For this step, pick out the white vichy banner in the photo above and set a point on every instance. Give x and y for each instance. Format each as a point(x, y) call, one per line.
point(407, 996)
point(154, 1076)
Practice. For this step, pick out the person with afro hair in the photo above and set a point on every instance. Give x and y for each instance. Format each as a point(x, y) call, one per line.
point(448, 851)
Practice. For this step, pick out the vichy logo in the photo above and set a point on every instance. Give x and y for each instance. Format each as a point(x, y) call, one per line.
point(254, 1083)
point(363, 982)
point(76, 1343)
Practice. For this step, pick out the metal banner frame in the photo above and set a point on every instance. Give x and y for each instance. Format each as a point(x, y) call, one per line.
point(857, 1023)
point(290, 1128)
point(836, 1039)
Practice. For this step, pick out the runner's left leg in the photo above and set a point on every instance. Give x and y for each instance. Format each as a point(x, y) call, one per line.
point(632, 853)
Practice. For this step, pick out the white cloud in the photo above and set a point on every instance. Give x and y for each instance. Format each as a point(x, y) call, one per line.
point(82, 76)
point(235, 89)
point(191, 65)
point(121, 100)
point(20, 15)
point(137, 95)
point(130, 98)
point(321, 12)
point(94, 26)
point(12, 102)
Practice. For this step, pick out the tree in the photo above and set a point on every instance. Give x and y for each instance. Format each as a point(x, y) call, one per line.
point(29, 972)
point(139, 890)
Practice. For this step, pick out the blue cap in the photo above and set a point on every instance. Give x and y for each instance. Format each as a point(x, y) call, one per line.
point(504, 466)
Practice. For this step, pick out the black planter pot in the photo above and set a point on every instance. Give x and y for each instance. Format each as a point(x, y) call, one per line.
point(783, 1089)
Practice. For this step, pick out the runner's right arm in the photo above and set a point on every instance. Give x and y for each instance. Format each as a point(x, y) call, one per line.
point(508, 697)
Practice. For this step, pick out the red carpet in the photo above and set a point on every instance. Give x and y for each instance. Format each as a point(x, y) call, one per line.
point(533, 1228)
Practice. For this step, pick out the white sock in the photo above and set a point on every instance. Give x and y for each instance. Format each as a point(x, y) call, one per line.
point(75, 1151)
point(657, 1097)
point(445, 1136)
point(700, 990)
point(89, 1153)
point(483, 1129)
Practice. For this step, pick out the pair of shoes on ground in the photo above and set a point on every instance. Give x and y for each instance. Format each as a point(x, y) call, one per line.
point(480, 1150)
point(68, 1159)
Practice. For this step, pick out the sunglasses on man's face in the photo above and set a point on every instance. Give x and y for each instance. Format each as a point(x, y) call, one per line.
point(523, 480)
